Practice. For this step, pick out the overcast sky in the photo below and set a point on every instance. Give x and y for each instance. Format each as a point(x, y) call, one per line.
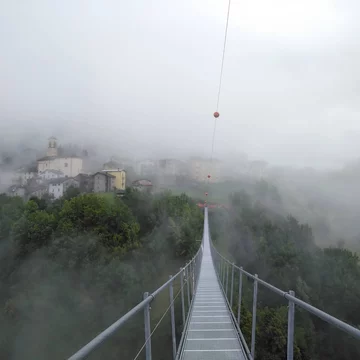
point(143, 74)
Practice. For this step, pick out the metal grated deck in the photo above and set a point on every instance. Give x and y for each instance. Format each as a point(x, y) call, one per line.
point(211, 334)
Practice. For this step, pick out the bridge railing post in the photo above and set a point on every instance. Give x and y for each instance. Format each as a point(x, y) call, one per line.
point(290, 333)
point(187, 284)
point(221, 268)
point(232, 285)
point(189, 280)
point(193, 277)
point(172, 313)
point(147, 329)
point(199, 259)
point(240, 295)
point(196, 271)
point(227, 279)
point(224, 272)
point(253, 327)
point(182, 295)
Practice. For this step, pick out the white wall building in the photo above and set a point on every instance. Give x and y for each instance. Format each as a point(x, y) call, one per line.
point(25, 177)
point(50, 174)
point(171, 167)
point(21, 176)
point(17, 191)
point(38, 191)
point(146, 167)
point(69, 166)
point(143, 185)
point(200, 168)
point(58, 187)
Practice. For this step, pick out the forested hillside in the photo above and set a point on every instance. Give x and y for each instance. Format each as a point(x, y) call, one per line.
point(282, 251)
point(71, 267)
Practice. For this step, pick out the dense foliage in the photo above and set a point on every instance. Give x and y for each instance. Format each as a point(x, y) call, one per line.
point(283, 252)
point(71, 267)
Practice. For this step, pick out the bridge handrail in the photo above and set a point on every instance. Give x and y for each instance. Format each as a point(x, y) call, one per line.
point(99, 339)
point(290, 296)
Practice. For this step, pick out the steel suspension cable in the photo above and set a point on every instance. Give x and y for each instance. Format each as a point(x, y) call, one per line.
point(216, 114)
point(223, 55)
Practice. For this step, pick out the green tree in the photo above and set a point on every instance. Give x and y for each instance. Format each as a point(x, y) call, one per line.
point(71, 192)
point(34, 229)
point(11, 209)
point(111, 220)
point(86, 255)
point(283, 252)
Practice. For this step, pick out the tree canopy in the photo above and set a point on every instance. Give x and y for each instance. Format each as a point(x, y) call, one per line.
point(70, 267)
point(282, 251)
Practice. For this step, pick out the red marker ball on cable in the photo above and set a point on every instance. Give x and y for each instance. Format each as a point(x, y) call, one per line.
point(216, 114)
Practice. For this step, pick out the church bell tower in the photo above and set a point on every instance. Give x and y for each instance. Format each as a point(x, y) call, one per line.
point(52, 147)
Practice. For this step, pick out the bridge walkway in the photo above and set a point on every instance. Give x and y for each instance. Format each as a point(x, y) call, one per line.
point(211, 333)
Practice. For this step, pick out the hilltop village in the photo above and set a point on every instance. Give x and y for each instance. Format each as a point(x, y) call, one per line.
point(57, 170)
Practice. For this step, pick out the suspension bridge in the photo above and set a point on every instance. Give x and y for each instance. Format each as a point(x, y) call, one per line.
point(210, 327)
point(210, 288)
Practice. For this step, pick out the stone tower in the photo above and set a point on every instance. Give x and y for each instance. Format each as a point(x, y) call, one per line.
point(52, 147)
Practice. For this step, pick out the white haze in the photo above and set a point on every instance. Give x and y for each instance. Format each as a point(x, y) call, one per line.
point(142, 76)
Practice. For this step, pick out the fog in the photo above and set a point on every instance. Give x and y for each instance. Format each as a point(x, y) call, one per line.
point(143, 76)
point(140, 79)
